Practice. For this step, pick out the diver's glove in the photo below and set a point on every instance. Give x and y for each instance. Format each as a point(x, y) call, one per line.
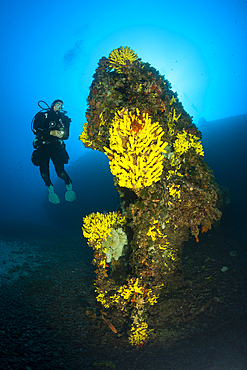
point(53, 198)
point(70, 195)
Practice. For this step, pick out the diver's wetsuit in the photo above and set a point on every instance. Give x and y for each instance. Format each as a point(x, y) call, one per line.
point(50, 147)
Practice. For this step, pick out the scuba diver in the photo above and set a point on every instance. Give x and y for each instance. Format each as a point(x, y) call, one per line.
point(51, 127)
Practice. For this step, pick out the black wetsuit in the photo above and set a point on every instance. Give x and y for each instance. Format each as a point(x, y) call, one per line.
point(50, 147)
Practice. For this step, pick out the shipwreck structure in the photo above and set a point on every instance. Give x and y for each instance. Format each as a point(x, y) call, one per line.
point(167, 190)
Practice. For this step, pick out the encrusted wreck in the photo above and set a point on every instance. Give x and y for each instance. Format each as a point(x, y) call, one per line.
point(167, 190)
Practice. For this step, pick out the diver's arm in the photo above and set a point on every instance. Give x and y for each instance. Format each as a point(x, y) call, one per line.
point(40, 128)
point(38, 124)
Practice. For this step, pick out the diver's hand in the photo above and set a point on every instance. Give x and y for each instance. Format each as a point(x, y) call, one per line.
point(57, 133)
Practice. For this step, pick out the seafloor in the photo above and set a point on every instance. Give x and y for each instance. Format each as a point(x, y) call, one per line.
point(49, 319)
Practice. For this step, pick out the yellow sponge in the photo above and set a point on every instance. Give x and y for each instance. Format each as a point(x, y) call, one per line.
point(136, 149)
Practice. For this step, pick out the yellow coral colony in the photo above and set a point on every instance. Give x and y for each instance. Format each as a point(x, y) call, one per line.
point(121, 57)
point(84, 135)
point(125, 294)
point(139, 334)
point(136, 149)
point(183, 143)
point(97, 227)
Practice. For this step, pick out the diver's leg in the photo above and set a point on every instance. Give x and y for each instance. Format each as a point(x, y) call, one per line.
point(44, 170)
point(62, 174)
point(59, 157)
point(70, 195)
point(45, 174)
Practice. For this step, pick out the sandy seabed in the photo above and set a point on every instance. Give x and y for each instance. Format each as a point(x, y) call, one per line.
point(49, 318)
